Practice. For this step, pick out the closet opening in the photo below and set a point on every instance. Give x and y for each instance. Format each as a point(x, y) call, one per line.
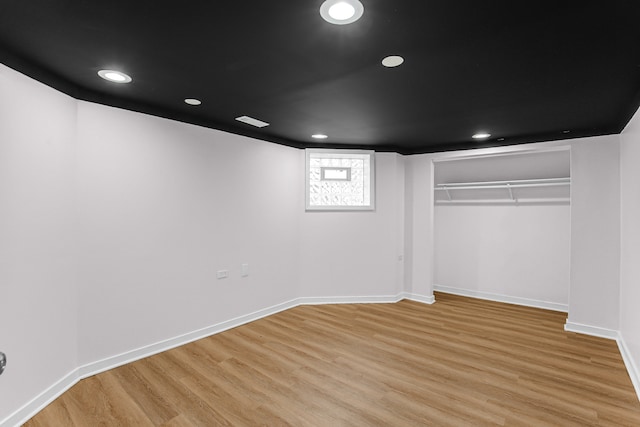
point(502, 227)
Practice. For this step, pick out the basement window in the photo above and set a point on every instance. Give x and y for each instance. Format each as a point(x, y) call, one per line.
point(340, 179)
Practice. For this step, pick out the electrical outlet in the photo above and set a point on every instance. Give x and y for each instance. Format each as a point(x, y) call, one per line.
point(244, 270)
point(222, 274)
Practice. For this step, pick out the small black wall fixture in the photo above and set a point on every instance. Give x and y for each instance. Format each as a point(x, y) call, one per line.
point(3, 362)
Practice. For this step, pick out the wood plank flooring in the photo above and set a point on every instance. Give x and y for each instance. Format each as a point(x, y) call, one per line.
point(459, 362)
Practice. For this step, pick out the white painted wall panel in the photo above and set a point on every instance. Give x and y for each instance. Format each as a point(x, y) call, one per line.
point(164, 205)
point(419, 259)
point(519, 251)
point(594, 294)
point(630, 242)
point(38, 305)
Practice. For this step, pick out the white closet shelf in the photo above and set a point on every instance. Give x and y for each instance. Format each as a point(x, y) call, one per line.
point(511, 185)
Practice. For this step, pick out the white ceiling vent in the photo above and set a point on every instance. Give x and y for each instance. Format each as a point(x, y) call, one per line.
point(251, 121)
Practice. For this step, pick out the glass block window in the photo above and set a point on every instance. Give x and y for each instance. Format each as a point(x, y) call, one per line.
point(340, 179)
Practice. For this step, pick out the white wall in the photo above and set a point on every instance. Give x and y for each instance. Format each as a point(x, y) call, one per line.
point(630, 243)
point(38, 304)
point(356, 253)
point(419, 257)
point(515, 252)
point(594, 296)
point(113, 225)
point(163, 206)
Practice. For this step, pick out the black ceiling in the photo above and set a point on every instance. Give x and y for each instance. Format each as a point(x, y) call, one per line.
point(524, 71)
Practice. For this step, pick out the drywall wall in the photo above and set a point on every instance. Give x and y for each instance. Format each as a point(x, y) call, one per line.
point(356, 254)
point(164, 206)
point(38, 304)
point(594, 295)
point(630, 245)
point(419, 256)
point(514, 252)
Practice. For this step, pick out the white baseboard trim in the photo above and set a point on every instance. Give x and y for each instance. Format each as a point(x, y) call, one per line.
point(420, 298)
point(503, 298)
point(382, 299)
point(595, 331)
point(38, 403)
point(631, 366)
point(367, 300)
point(34, 406)
point(632, 369)
point(149, 350)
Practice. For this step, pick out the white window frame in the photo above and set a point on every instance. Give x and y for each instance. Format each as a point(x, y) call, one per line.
point(328, 153)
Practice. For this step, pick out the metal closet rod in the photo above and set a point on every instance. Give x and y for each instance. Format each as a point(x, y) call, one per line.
point(516, 183)
point(545, 200)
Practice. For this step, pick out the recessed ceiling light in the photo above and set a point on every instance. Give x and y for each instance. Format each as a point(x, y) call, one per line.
point(319, 136)
point(251, 121)
point(566, 131)
point(114, 76)
point(481, 135)
point(192, 101)
point(341, 12)
point(392, 61)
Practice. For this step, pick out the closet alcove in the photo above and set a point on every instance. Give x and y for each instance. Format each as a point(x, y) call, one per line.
point(502, 227)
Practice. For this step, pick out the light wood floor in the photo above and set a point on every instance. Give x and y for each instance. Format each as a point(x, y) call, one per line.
point(458, 362)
